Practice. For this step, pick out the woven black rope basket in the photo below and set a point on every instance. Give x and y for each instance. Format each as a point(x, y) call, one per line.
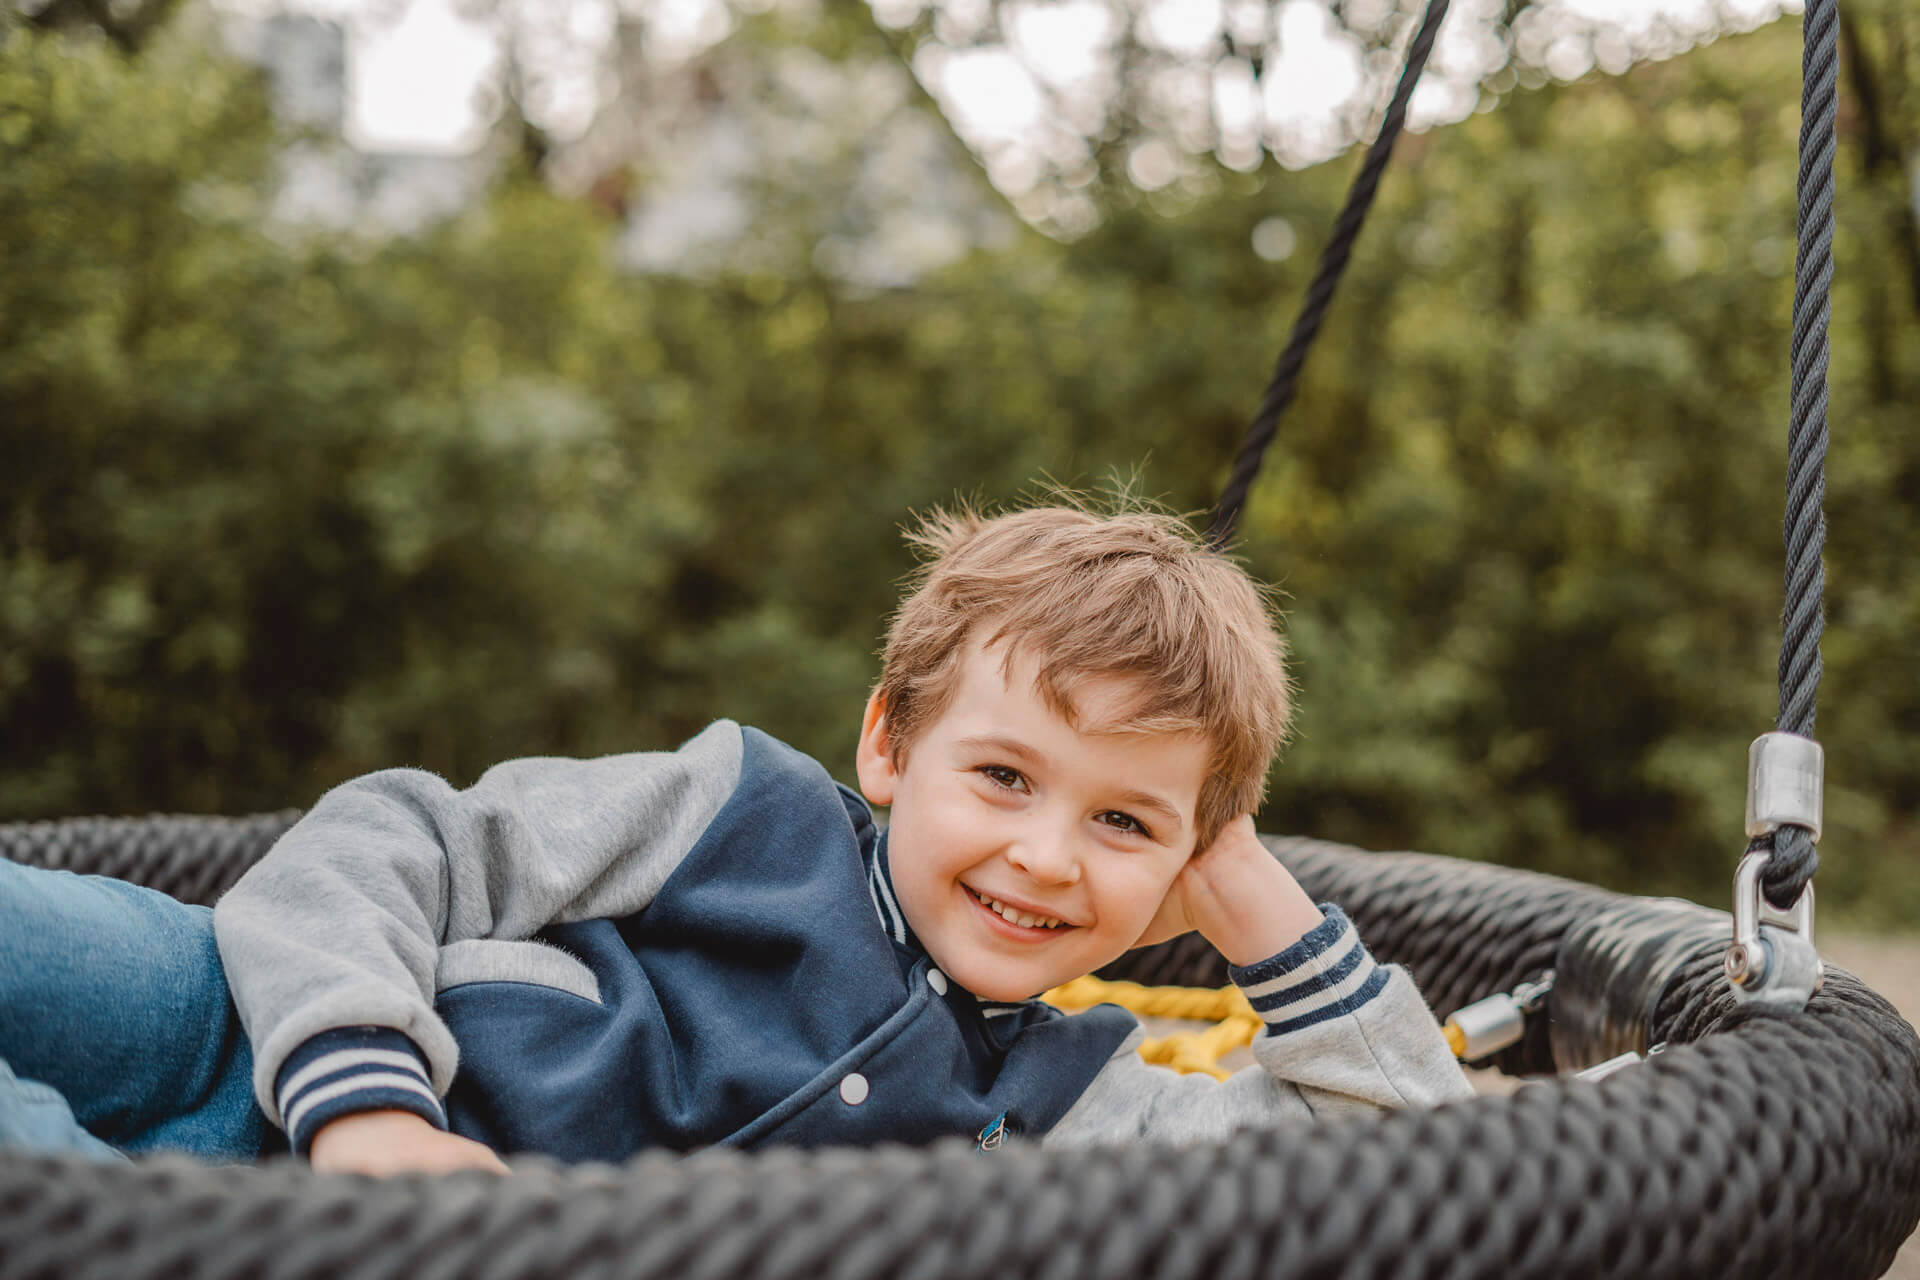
point(1753, 1145)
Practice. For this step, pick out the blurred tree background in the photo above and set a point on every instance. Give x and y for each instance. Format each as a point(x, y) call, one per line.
point(286, 504)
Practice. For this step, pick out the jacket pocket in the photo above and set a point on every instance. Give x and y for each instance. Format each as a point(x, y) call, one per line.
point(498, 960)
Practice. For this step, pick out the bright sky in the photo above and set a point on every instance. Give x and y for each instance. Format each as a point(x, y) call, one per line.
point(416, 78)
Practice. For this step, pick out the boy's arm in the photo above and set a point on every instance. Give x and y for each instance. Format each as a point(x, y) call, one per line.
point(331, 942)
point(1343, 1033)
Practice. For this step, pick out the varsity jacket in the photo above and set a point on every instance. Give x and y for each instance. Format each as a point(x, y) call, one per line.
point(589, 958)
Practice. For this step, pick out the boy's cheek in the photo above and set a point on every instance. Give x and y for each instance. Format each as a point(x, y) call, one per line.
point(1159, 911)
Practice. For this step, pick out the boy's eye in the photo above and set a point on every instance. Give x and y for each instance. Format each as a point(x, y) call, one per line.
point(1001, 775)
point(1125, 822)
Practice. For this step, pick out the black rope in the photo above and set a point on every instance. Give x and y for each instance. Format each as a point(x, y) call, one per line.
point(1794, 856)
point(1326, 277)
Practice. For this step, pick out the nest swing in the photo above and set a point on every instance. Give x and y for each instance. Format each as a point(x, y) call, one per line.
point(1771, 1129)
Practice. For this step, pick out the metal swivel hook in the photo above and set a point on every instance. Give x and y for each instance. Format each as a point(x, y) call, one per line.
point(1772, 959)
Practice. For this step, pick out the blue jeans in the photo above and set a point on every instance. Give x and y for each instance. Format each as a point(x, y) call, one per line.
point(113, 1003)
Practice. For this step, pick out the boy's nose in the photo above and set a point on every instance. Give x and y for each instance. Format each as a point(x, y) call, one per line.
point(1046, 860)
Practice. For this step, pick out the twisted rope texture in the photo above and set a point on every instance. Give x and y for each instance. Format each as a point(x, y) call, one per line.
point(196, 859)
point(1767, 1146)
point(1794, 857)
point(1326, 278)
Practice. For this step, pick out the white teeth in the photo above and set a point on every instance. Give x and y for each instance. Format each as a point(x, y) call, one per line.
point(1016, 916)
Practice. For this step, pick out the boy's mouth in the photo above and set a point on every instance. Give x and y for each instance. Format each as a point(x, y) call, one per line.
point(1026, 921)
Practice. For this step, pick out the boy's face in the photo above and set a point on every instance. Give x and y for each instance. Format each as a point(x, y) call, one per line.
point(1001, 801)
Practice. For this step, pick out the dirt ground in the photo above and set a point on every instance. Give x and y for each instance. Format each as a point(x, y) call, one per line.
point(1890, 966)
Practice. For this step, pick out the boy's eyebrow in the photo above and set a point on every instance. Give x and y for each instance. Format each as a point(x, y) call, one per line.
point(1155, 805)
point(1002, 744)
point(995, 742)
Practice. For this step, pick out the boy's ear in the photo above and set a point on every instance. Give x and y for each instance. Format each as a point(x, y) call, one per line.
point(873, 761)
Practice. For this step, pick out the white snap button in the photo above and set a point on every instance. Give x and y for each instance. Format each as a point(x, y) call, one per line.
point(938, 981)
point(853, 1090)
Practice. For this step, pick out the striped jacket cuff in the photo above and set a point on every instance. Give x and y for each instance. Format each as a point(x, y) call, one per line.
point(1326, 974)
point(351, 1069)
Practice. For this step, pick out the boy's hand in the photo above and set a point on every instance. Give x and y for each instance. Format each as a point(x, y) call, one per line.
point(384, 1143)
point(1239, 897)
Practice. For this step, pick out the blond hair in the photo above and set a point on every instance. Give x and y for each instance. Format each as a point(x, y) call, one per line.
point(1132, 593)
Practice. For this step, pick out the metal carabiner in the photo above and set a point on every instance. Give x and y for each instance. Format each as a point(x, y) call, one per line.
point(1772, 959)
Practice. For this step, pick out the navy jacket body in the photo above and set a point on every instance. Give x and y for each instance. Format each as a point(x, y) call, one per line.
point(759, 998)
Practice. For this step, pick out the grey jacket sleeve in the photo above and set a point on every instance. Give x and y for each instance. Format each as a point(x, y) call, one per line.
point(1343, 1034)
point(342, 923)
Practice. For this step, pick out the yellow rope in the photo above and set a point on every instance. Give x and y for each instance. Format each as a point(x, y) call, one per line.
point(1197, 1003)
point(1187, 1051)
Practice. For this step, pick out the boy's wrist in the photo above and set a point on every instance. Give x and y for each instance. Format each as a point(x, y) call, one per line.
point(349, 1071)
point(1243, 901)
point(383, 1143)
point(1328, 972)
point(327, 1150)
point(1261, 915)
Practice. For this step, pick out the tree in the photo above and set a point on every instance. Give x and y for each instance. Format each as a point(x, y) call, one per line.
point(129, 24)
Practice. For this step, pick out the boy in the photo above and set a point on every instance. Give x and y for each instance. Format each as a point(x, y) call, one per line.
point(717, 945)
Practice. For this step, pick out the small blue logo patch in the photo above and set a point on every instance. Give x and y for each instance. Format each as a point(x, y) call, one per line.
point(995, 1133)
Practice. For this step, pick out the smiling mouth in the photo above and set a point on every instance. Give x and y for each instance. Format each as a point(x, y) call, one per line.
point(1026, 921)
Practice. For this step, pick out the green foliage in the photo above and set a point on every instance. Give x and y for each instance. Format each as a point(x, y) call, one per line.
point(1539, 620)
point(283, 508)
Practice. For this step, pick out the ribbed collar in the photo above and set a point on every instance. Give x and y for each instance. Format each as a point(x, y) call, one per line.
point(885, 901)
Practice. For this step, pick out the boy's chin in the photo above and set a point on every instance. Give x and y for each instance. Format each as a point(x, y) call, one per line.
point(1001, 988)
point(1012, 990)
point(1005, 980)
point(1007, 992)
